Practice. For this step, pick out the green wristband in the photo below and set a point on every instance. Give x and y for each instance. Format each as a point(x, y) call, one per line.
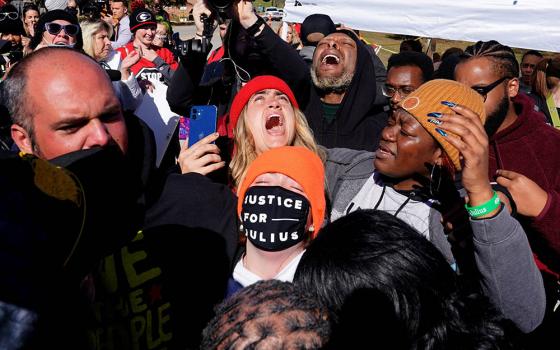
point(484, 208)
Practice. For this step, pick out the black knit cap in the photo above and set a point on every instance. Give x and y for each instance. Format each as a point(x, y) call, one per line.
point(140, 18)
point(53, 16)
point(8, 25)
point(316, 23)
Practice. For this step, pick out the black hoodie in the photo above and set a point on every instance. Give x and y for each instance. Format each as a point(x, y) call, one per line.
point(359, 120)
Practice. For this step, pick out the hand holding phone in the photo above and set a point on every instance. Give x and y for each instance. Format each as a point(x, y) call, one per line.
point(202, 122)
point(197, 154)
point(203, 157)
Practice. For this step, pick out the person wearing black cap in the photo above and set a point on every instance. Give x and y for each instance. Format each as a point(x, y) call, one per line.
point(314, 28)
point(154, 61)
point(57, 28)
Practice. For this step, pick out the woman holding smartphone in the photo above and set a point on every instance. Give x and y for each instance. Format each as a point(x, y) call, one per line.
point(264, 115)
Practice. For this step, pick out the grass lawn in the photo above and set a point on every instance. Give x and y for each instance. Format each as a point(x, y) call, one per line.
point(389, 43)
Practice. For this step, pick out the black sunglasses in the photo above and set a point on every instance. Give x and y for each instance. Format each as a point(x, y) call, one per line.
point(484, 90)
point(55, 28)
point(10, 15)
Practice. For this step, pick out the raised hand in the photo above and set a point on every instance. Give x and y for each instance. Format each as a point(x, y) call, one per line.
point(130, 60)
point(529, 197)
point(199, 9)
point(246, 13)
point(464, 130)
point(203, 157)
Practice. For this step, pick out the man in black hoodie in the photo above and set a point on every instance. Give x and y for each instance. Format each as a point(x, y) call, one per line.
point(341, 104)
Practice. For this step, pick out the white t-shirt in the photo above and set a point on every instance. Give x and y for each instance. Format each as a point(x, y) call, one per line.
point(415, 213)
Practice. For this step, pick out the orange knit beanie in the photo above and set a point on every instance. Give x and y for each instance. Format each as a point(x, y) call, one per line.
point(300, 164)
point(427, 99)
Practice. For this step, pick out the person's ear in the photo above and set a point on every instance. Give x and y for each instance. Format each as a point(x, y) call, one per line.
point(438, 156)
point(513, 87)
point(21, 138)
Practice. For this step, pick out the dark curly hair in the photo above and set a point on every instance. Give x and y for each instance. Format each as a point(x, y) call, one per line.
point(268, 315)
point(386, 285)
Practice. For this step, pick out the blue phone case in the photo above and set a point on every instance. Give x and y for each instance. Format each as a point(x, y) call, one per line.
point(202, 122)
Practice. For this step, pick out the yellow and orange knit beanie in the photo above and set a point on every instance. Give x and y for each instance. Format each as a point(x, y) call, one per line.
point(427, 99)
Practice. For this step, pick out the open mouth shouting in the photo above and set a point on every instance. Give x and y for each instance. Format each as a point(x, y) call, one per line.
point(274, 124)
point(330, 60)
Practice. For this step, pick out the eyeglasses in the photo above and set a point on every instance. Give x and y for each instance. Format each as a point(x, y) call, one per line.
point(10, 15)
point(389, 91)
point(55, 28)
point(484, 90)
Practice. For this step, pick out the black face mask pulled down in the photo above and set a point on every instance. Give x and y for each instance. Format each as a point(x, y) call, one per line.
point(274, 218)
point(112, 212)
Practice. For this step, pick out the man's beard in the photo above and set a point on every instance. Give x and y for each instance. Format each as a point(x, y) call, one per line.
point(495, 120)
point(335, 85)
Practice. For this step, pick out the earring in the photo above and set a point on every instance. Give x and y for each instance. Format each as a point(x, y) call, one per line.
point(241, 227)
point(433, 174)
point(311, 229)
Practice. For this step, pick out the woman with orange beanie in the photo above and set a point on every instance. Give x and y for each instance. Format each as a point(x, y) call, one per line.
point(263, 115)
point(281, 207)
point(437, 132)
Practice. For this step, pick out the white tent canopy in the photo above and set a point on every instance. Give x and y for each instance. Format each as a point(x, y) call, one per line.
point(530, 24)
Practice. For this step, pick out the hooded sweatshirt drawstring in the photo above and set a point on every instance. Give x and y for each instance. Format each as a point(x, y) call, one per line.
point(497, 154)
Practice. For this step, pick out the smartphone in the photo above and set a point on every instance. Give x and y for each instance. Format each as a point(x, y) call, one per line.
point(202, 122)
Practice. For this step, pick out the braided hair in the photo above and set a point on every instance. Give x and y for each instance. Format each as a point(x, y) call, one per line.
point(268, 315)
point(503, 58)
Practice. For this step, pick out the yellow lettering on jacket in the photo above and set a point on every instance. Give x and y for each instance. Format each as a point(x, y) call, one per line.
point(136, 302)
point(135, 279)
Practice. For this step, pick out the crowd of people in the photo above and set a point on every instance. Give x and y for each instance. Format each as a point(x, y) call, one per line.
point(338, 204)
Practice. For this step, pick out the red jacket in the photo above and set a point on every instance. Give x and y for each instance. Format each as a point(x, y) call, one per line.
point(162, 52)
point(529, 146)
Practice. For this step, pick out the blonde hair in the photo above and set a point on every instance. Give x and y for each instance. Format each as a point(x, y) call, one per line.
point(245, 144)
point(89, 30)
point(296, 41)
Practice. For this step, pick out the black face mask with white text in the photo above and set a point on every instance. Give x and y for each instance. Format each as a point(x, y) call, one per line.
point(274, 218)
